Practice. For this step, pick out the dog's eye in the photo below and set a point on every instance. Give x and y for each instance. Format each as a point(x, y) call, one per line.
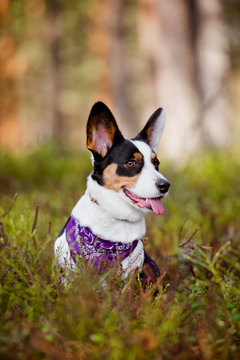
point(131, 163)
point(156, 163)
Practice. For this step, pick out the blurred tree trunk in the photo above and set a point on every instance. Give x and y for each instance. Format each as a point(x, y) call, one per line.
point(187, 68)
point(166, 41)
point(10, 70)
point(213, 68)
point(108, 41)
point(119, 62)
point(55, 47)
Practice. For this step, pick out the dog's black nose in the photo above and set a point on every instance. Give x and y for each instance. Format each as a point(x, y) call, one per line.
point(163, 186)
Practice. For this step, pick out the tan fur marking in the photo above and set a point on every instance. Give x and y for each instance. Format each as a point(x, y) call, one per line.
point(137, 156)
point(154, 156)
point(112, 181)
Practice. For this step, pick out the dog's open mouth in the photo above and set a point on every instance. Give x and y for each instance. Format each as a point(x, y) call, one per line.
point(154, 204)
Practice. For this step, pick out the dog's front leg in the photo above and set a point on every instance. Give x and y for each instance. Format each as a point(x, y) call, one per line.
point(150, 271)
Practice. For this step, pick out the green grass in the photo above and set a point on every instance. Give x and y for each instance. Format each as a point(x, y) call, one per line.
point(195, 314)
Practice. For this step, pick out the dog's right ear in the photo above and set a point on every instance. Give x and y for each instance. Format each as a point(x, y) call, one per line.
point(102, 130)
point(153, 129)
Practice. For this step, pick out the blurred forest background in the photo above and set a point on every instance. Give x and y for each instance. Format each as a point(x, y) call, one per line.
point(57, 57)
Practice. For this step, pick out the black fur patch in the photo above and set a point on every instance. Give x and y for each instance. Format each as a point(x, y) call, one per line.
point(120, 154)
point(64, 227)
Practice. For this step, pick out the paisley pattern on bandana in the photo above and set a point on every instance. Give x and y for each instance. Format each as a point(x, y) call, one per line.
point(85, 245)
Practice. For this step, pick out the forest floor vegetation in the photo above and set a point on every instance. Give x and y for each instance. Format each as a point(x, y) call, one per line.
point(193, 312)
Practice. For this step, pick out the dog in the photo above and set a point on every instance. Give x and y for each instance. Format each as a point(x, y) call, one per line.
point(108, 222)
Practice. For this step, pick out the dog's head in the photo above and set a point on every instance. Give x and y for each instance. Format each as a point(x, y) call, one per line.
point(125, 178)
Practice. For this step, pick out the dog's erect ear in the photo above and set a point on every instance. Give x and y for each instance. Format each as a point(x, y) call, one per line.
point(153, 129)
point(102, 130)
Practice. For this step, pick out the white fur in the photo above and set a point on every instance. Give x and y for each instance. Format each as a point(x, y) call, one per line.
point(158, 130)
point(113, 219)
point(62, 253)
point(146, 184)
point(134, 260)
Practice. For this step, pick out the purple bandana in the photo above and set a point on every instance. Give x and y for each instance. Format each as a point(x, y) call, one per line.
point(83, 244)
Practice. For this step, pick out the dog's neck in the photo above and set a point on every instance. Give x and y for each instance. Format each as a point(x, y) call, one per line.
point(108, 215)
point(117, 219)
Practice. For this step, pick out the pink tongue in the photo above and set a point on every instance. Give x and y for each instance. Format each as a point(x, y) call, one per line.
point(157, 206)
point(154, 203)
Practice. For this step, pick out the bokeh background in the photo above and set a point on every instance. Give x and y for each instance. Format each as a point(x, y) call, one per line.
point(57, 57)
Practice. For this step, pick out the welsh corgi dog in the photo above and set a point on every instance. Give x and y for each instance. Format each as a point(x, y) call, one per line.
point(107, 224)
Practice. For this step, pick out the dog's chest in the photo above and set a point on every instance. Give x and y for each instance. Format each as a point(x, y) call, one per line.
point(85, 246)
point(103, 219)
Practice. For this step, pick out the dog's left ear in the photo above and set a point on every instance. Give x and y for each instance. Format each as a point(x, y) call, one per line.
point(102, 130)
point(152, 131)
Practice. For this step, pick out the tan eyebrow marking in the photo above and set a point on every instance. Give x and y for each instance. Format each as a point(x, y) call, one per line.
point(154, 156)
point(138, 156)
